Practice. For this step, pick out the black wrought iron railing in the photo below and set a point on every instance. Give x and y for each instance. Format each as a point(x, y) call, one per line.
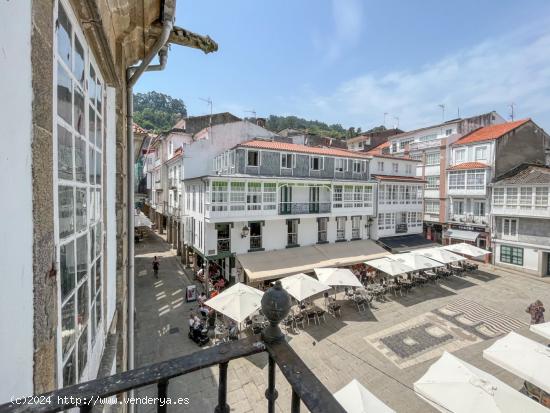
point(113, 390)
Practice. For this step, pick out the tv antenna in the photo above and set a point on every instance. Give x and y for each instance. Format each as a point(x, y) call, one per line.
point(396, 122)
point(253, 112)
point(442, 106)
point(512, 106)
point(209, 103)
point(385, 114)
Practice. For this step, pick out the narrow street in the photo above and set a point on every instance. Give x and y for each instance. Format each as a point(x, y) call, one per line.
point(161, 334)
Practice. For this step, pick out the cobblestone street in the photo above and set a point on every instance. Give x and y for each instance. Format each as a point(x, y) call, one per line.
point(367, 346)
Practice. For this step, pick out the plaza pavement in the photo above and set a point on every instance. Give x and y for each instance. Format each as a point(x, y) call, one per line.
point(336, 351)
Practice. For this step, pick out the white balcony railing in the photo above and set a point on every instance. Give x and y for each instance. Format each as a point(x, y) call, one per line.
point(523, 210)
point(418, 146)
point(470, 219)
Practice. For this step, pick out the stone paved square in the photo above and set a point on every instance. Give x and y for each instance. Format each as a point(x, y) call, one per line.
point(474, 310)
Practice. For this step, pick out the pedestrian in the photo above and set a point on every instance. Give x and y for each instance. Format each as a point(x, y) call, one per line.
point(156, 264)
point(201, 299)
point(536, 310)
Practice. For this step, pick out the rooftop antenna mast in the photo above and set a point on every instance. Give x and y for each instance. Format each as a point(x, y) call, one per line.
point(385, 114)
point(512, 106)
point(209, 103)
point(396, 122)
point(442, 106)
point(253, 112)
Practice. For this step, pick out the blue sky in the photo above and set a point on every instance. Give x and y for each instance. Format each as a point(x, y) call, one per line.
point(349, 61)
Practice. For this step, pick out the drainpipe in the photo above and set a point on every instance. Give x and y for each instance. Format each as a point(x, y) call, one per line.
point(132, 76)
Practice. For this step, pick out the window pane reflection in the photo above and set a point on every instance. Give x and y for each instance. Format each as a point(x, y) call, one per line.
point(64, 153)
point(66, 211)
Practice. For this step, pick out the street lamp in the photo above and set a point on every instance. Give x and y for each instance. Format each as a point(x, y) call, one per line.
point(244, 232)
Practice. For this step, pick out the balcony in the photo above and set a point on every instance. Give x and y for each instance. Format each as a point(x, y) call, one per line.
point(419, 146)
point(255, 242)
point(469, 219)
point(224, 245)
point(306, 387)
point(296, 208)
point(173, 183)
point(532, 211)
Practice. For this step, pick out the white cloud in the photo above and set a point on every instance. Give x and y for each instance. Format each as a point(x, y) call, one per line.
point(511, 68)
point(345, 29)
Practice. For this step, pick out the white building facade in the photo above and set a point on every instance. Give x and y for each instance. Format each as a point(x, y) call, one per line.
point(267, 196)
point(400, 200)
point(520, 214)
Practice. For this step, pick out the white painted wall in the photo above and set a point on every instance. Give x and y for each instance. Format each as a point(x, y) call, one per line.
point(16, 300)
point(530, 257)
point(213, 141)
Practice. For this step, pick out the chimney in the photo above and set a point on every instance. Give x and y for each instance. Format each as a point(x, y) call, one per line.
point(261, 122)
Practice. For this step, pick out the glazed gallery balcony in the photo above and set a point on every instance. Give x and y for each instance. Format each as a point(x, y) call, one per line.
point(294, 208)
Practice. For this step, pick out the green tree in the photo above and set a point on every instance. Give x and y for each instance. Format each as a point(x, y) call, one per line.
point(156, 111)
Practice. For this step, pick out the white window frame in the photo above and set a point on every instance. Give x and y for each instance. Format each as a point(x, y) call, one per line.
point(342, 167)
point(380, 166)
point(321, 162)
point(284, 160)
point(432, 158)
point(462, 157)
point(484, 150)
point(356, 166)
point(258, 158)
point(507, 225)
point(395, 167)
point(94, 205)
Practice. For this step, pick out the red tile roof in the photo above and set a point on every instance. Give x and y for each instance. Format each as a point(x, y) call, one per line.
point(398, 178)
point(468, 165)
point(138, 129)
point(491, 132)
point(378, 149)
point(292, 147)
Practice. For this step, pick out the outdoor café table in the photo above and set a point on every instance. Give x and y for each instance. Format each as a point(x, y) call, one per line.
point(258, 319)
point(456, 268)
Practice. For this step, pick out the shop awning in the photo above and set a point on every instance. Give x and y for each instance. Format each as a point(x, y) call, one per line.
point(268, 265)
point(405, 243)
point(461, 234)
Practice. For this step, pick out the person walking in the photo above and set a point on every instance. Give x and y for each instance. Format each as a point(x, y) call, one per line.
point(536, 310)
point(156, 265)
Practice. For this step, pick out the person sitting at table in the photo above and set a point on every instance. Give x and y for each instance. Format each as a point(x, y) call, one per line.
point(204, 310)
point(233, 331)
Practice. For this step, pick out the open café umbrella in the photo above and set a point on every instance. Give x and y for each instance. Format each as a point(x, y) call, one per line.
point(337, 277)
point(302, 286)
point(523, 357)
point(237, 302)
point(542, 329)
point(452, 385)
point(389, 266)
point(440, 254)
point(415, 261)
point(355, 398)
point(467, 249)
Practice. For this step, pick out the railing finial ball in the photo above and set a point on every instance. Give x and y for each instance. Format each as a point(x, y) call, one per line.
point(275, 306)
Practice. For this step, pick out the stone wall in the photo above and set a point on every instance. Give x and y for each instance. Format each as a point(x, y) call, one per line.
point(44, 256)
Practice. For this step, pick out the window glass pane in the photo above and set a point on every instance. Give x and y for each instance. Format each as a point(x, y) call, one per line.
point(66, 211)
point(97, 204)
point(82, 256)
point(64, 92)
point(82, 352)
point(98, 309)
point(64, 153)
point(80, 206)
point(91, 124)
point(99, 134)
point(98, 239)
point(66, 268)
point(69, 371)
point(64, 29)
point(80, 159)
point(98, 168)
point(92, 243)
point(82, 305)
point(97, 275)
point(78, 61)
point(91, 164)
point(99, 96)
point(67, 325)
point(92, 85)
point(78, 110)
